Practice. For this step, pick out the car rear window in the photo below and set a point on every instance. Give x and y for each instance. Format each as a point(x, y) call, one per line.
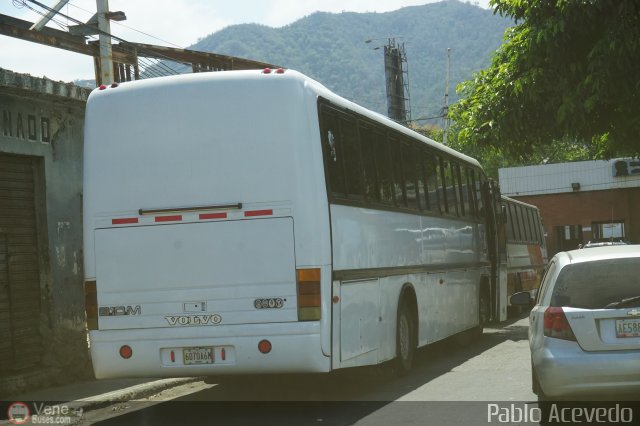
point(594, 285)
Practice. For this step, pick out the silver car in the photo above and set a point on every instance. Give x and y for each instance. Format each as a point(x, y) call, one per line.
point(584, 330)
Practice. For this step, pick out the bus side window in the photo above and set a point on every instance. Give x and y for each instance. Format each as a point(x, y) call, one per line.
point(473, 195)
point(469, 201)
point(398, 178)
point(539, 230)
point(442, 188)
point(410, 176)
point(383, 168)
point(532, 226)
point(509, 224)
point(450, 188)
point(421, 190)
point(332, 148)
point(513, 219)
point(523, 224)
point(352, 164)
point(481, 201)
point(431, 176)
point(463, 202)
point(371, 190)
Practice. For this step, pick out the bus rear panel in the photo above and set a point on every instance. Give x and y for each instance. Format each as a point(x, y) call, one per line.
point(194, 190)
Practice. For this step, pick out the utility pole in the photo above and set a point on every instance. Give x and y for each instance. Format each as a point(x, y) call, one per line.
point(446, 99)
point(106, 55)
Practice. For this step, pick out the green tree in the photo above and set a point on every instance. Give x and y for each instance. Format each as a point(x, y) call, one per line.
point(568, 71)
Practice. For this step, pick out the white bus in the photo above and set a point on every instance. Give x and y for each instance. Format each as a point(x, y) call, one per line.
point(525, 246)
point(255, 222)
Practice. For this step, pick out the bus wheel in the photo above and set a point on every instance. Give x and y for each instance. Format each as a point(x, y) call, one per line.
point(484, 309)
point(405, 340)
point(483, 315)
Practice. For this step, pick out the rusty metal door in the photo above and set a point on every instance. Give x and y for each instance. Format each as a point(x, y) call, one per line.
point(20, 292)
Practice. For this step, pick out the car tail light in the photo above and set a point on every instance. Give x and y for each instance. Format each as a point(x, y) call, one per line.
point(91, 304)
point(556, 324)
point(308, 294)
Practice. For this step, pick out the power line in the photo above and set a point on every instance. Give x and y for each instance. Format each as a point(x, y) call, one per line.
point(134, 49)
point(20, 4)
point(128, 27)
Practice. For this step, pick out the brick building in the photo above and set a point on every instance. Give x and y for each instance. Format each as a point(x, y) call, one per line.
point(581, 201)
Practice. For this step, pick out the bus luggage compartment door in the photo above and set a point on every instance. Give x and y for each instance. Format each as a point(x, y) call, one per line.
point(202, 273)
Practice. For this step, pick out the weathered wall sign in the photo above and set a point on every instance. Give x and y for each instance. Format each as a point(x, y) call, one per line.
point(16, 124)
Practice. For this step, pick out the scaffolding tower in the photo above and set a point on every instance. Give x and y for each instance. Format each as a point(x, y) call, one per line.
point(396, 72)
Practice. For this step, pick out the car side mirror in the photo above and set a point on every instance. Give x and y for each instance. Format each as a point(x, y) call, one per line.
point(522, 298)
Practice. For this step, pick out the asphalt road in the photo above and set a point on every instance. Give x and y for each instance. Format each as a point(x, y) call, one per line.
point(454, 382)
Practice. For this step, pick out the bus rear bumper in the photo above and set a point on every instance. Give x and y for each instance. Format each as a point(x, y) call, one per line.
point(202, 351)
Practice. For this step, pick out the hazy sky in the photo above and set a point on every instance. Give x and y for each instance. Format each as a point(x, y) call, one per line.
point(178, 23)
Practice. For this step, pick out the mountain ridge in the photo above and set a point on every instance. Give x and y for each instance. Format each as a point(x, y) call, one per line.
point(331, 48)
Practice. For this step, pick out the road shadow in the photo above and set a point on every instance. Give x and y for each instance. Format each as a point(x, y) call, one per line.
point(343, 397)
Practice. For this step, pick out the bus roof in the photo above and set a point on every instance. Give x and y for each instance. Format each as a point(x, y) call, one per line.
point(345, 103)
point(288, 75)
point(514, 201)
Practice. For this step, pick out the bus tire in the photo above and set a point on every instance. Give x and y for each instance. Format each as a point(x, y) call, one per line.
point(483, 314)
point(405, 338)
point(484, 307)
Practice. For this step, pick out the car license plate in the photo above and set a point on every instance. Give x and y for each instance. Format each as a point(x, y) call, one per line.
point(628, 328)
point(192, 356)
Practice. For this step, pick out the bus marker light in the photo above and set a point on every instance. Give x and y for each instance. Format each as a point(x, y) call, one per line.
point(114, 85)
point(204, 216)
point(126, 351)
point(173, 356)
point(335, 299)
point(102, 87)
point(267, 71)
point(223, 354)
point(280, 71)
point(264, 346)
point(124, 220)
point(253, 213)
point(173, 218)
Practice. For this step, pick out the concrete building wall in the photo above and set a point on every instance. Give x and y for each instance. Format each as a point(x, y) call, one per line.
point(43, 120)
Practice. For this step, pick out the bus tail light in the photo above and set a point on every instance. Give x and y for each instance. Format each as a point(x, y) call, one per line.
point(264, 346)
point(91, 304)
point(556, 324)
point(308, 294)
point(125, 351)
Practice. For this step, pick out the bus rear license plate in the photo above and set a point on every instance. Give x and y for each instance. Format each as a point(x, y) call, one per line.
point(192, 356)
point(628, 328)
